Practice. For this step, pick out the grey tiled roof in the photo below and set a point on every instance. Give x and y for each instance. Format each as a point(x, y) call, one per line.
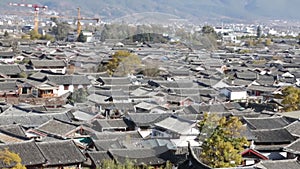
point(8, 86)
point(147, 119)
point(139, 156)
point(61, 152)
point(31, 120)
point(111, 93)
point(207, 82)
point(272, 136)
point(10, 69)
point(104, 145)
point(28, 152)
point(98, 157)
point(14, 129)
point(151, 143)
point(294, 128)
point(38, 75)
point(279, 164)
point(238, 82)
point(235, 88)
point(294, 147)
point(114, 80)
point(266, 123)
point(7, 53)
point(174, 124)
point(177, 84)
point(196, 109)
point(119, 106)
point(262, 88)
point(103, 124)
point(247, 75)
point(48, 63)
point(53, 125)
point(116, 135)
point(69, 79)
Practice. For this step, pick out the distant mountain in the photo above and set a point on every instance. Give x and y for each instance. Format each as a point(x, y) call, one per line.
point(193, 10)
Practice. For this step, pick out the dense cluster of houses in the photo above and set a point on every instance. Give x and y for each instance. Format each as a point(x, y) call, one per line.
point(149, 120)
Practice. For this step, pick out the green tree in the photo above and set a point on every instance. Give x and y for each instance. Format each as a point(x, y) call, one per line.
point(291, 98)
point(61, 30)
point(208, 30)
point(34, 35)
point(122, 63)
point(258, 32)
point(268, 42)
point(6, 34)
point(151, 71)
point(209, 38)
point(11, 159)
point(78, 96)
point(114, 165)
point(81, 37)
point(54, 19)
point(111, 164)
point(22, 75)
point(250, 43)
point(47, 37)
point(223, 143)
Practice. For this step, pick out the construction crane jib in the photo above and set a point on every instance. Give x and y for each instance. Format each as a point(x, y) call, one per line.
point(79, 18)
point(36, 8)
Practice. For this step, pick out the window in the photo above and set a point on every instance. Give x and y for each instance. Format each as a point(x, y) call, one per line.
point(66, 87)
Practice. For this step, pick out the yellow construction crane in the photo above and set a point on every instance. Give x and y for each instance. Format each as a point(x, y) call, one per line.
point(36, 12)
point(79, 18)
point(36, 15)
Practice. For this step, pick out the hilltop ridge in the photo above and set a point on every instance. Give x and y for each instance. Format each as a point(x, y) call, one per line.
point(193, 10)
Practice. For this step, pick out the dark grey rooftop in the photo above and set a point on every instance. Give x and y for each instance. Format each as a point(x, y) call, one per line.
point(246, 75)
point(140, 156)
point(177, 84)
point(48, 63)
point(8, 87)
point(236, 89)
point(279, 164)
point(294, 147)
point(266, 123)
point(7, 54)
point(196, 109)
point(114, 80)
point(109, 124)
point(61, 152)
point(122, 136)
point(177, 125)
point(294, 128)
point(270, 136)
point(31, 120)
point(15, 129)
point(28, 152)
point(262, 88)
point(104, 145)
point(10, 69)
point(147, 119)
point(69, 79)
point(98, 156)
point(57, 127)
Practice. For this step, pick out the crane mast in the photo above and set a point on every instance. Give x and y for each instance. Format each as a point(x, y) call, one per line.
point(36, 15)
point(79, 18)
point(36, 12)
